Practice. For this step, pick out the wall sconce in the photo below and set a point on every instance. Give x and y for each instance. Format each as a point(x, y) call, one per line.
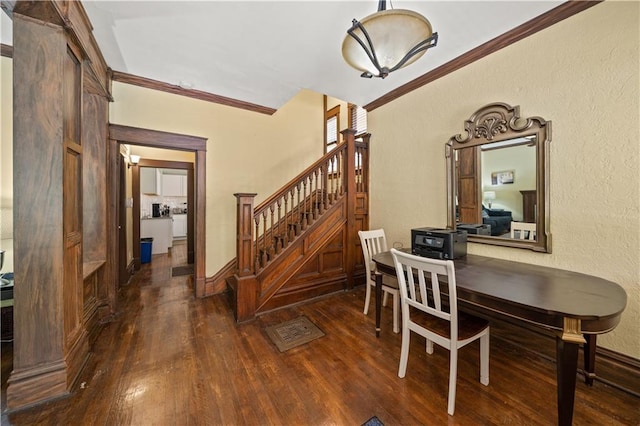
point(400, 37)
point(489, 196)
point(133, 159)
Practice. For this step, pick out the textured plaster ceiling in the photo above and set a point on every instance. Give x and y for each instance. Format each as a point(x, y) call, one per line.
point(264, 52)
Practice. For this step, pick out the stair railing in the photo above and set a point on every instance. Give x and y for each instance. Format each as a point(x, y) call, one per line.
point(264, 231)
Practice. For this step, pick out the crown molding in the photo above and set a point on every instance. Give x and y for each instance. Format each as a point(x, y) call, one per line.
point(530, 27)
point(148, 83)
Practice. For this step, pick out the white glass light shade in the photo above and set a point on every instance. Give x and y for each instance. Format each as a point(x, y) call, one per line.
point(393, 34)
point(134, 159)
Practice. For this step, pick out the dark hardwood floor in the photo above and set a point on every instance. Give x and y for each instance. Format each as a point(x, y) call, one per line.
point(171, 359)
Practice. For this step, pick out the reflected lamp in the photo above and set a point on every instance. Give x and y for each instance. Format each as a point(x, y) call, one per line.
point(489, 196)
point(134, 160)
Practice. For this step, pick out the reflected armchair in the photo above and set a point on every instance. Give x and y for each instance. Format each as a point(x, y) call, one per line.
point(500, 220)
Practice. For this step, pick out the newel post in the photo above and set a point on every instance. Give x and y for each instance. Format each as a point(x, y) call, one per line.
point(351, 234)
point(246, 283)
point(244, 234)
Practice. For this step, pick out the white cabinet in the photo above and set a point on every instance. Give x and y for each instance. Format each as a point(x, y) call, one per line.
point(174, 185)
point(150, 181)
point(160, 230)
point(179, 225)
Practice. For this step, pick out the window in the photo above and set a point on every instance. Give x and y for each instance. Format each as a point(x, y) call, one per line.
point(332, 126)
point(357, 119)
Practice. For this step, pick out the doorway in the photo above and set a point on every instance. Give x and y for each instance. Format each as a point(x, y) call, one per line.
point(156, 139)
point(151, 188)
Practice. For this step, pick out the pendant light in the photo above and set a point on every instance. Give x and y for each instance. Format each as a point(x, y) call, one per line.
point(387, 40)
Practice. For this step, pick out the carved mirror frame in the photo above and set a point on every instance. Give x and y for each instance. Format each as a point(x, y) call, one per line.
point(499, 122)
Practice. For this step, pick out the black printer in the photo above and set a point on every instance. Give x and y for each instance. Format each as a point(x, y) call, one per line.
point(439, 243)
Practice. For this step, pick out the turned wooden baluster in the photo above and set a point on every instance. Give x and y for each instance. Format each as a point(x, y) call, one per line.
point(257, 261)
point(272, 237)
point(305, 221)
point(264, 259)
point(342, 175)
point(325, 187)
point(287, 220)
point(280, 243)
point(298, 213)
point(332, 180)
point(293, 224)
point(316, 213)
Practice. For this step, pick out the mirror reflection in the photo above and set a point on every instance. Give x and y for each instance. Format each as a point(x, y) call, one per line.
point(508, 186)
point(497, 179)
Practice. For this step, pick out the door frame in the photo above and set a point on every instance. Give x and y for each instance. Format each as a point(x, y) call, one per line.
point(119, 134)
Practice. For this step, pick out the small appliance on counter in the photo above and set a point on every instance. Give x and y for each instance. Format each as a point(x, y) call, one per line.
point(447, 244)
point(155, 212)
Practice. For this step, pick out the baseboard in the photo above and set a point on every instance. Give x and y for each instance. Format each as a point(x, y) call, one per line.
point(217, 283)
point(612, 368)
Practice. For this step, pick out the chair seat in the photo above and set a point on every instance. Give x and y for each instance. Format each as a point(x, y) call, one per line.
point(468, 325)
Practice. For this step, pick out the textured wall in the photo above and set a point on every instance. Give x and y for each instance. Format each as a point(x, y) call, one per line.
point(582, 74)
point(246, 151)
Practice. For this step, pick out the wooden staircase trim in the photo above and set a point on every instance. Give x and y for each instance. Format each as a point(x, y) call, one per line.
point(279, 271)
point(296, 180)
point(302, 242)
point(218, 282)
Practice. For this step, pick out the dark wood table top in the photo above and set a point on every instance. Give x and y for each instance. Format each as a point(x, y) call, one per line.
point(533, 293)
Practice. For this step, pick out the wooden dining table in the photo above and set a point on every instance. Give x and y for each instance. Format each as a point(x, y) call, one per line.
point(576, 306)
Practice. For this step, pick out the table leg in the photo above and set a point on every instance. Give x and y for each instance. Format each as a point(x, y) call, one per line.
point(567, 364)
point(589, 358)
point(378, 277)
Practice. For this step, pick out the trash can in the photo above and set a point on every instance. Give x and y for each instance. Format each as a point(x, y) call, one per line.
point(145, 249)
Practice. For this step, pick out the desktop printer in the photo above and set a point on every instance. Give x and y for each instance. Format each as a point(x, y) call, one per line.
point(439, 243)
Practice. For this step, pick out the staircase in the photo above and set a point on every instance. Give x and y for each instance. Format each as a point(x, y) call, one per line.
point(302, 242)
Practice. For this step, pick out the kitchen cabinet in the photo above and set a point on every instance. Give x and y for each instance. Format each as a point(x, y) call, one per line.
point(150, 181)
point(179, 225)
point(174, 185)
point(161, 230)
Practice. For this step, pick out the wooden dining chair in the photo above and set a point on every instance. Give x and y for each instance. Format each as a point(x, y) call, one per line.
point(374, 242)
point(523, 231)
point(425, 311)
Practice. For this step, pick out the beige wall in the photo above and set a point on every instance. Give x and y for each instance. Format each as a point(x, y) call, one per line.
point(6, 162)
point(582, 74)
point(246, 151)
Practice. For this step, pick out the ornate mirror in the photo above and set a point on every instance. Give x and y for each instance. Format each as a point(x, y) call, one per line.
point(498, 179)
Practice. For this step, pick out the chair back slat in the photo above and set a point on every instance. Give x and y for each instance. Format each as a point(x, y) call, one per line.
point(429, 294)
point(373, 242)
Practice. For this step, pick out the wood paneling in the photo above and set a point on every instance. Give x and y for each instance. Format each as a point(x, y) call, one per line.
point(76, 348)
point(39, 369)
point(94, 177)
point(310, 267)
point(53, 304)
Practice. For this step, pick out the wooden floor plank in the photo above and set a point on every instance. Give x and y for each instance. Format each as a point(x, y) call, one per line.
point(168, 358)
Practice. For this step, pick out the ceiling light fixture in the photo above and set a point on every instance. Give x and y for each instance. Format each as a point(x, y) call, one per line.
point(400, 38)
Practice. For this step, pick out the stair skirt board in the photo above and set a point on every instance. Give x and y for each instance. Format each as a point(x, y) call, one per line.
point(310, 290)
